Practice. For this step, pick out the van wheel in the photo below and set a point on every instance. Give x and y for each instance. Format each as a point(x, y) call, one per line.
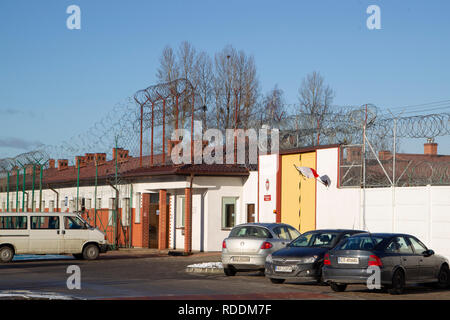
point(338, 287)
point(78, 256)
point(90, 252)
point(6, 254)
point(398, 283)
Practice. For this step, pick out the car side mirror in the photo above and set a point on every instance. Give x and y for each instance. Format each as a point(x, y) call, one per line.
point(428, 253)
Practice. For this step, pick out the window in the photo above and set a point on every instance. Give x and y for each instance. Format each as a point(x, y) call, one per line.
point(315, 239)
point(42, 205)
point(88, 204)
point(73, 223)
point(228, 212)
point(399, 245)
point(293, 233)
point(13, 222)
point(48, 222)
point(72, 205)
point(418, 246)
point(180, 211)
point(282, 233)
point(360, 243)
point(99, 203)
point(125, 212)
point(51, 206)
point(250, 232)
point(137, 217)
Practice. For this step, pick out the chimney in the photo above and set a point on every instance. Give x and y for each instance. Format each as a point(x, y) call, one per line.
point(80, 161)
point(430, 148)
point(100, 158)
point(89, 158)
point(384, 154)
point(354, 154)
point(122, 155)
point(29, 169)
point(63, 164)
point(51, 163)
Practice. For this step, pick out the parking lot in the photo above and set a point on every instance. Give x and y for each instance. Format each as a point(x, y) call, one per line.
point(146, 274)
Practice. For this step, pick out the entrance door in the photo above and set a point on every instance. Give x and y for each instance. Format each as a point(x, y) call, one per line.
point(153, 225)
point(250, 212)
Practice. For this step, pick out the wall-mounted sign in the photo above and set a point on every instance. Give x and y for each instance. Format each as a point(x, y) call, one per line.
point(267, 197)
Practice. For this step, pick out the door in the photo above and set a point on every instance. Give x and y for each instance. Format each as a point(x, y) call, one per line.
point(250, 212)
point(153, 225)
point(426, 264)
point(408, 259)
point(75, 234)
point(45, 235)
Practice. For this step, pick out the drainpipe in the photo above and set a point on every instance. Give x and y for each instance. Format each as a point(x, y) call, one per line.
point(190, 212)
point(57, 197)
point(116, 208)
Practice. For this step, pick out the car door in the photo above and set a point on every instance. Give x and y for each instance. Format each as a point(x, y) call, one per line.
point(45, 235)
point(426, 264)
point(408, 259)
point(75, 234)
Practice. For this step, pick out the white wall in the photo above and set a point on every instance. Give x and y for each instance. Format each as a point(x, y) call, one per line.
point(250, 195)
point(268, 167)
point(421, 211)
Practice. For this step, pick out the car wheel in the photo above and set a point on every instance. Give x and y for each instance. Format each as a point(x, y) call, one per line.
point(277, 281)
point(90, 252)
point(338, 287)
point(78, 256)
point(398, 283)
point(229, 272)
point(443, 277)
point(6, 254)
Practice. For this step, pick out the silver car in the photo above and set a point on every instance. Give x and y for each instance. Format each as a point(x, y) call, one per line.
point(248, 245)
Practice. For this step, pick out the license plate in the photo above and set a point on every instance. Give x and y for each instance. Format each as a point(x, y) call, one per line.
point(347, 260)
point(241, 259)
point(283, 268)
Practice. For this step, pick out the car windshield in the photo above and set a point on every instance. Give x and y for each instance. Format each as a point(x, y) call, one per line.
point(250, 232)
point(315, 239)
point(366, 242)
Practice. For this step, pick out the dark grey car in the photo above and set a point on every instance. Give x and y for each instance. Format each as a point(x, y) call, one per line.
point(302, 259)
point(402, 260)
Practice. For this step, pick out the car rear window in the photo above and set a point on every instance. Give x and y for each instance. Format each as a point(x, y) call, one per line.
point(360, 243)
point(250, 232)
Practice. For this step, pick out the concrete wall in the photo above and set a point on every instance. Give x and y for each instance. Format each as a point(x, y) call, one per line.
point(421, 211)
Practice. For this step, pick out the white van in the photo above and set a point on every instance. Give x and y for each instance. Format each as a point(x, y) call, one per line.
point(49, 233)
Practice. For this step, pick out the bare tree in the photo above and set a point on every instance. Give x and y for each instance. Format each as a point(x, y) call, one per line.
point(236, 88)
point(168, 69)
point(204, 77)
point(315, 100)
point(274, 107)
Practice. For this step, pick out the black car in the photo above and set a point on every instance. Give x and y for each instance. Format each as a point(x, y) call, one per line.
point(302, 259)
point(402, 259)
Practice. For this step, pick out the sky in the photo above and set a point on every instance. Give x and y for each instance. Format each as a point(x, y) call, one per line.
point(56, 83)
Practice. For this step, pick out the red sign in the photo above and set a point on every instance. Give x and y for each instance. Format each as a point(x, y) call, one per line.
point(267, 197)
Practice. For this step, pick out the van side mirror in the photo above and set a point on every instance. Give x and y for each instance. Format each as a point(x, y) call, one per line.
point(428, 253)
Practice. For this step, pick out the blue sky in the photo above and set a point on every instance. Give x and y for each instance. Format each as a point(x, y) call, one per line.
point(55, 83)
